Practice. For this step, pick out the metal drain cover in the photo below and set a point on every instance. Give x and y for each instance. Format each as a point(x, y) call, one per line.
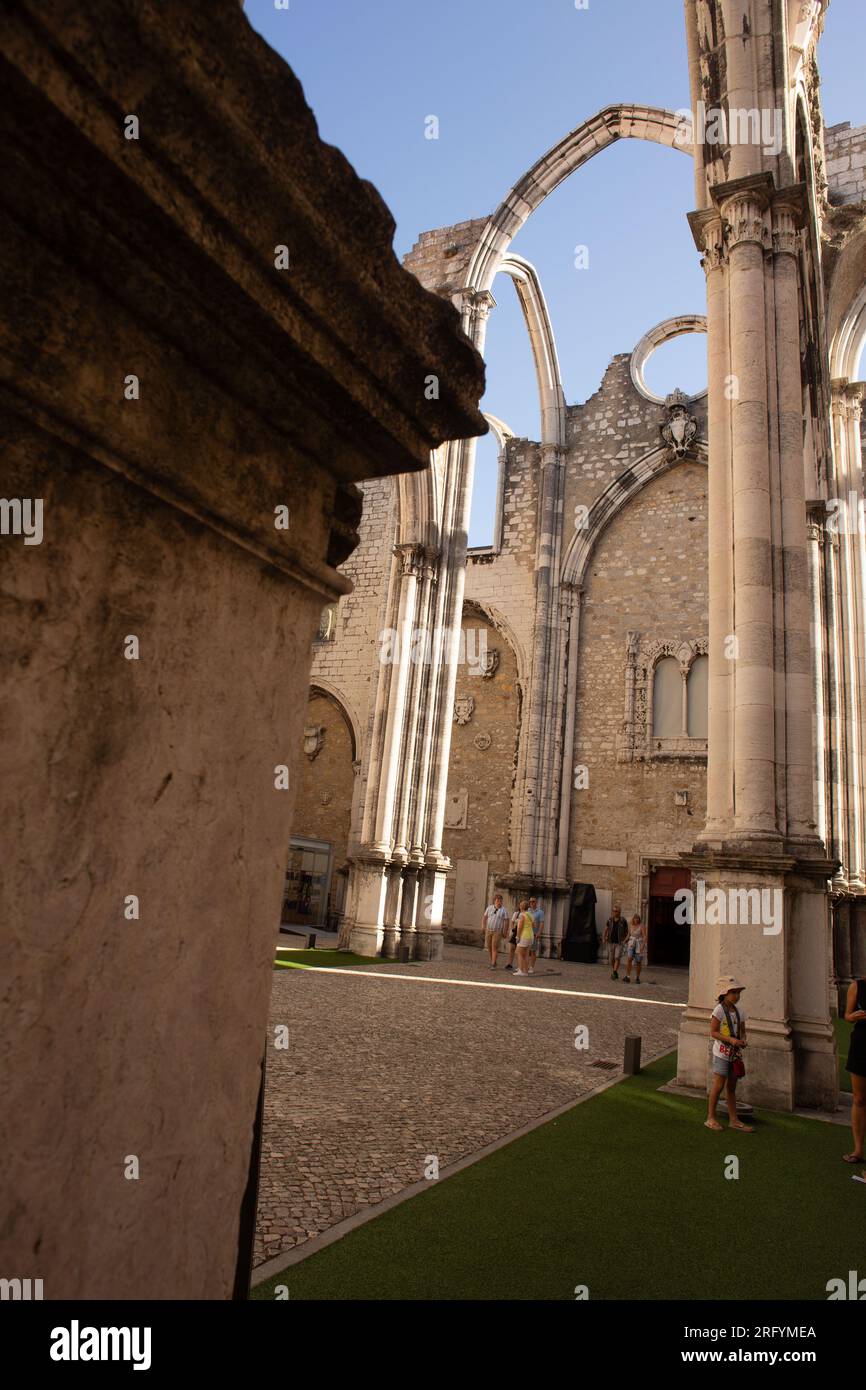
point(606, 1066)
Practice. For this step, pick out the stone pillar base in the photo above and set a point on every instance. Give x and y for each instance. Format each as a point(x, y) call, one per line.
point(366, 941)
point(429, 943)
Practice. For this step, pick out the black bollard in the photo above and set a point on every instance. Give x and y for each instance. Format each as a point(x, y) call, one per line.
point(631, 1060)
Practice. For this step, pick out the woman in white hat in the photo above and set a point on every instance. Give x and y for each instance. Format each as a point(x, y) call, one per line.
point(728, 1032)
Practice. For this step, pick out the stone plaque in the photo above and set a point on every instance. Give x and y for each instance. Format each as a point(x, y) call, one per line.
point(470, 893)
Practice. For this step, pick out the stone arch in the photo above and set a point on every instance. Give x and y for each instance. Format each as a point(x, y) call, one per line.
point(491, 615)
point(663, 332)
point(615, 497)
point(620, 122)
point(320, 686)
point(540, 328)
point(848, 310)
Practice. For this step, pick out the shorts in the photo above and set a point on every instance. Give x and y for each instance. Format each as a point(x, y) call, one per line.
point(635, 955)
point(614, 951)
point(491, 934)
point(722, 1066)
point(536, 941)
point(526, 941)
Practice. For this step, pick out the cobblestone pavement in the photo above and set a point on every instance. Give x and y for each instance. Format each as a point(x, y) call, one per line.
point(381, 1073)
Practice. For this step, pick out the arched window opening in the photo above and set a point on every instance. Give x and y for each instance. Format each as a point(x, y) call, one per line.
point(698, 697)
point(484, 516)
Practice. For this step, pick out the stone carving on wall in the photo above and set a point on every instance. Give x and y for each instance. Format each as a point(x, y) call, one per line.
point(314, 737)
point(636, 742)
point(463, 708)
point(482, 742)
point(457, 810)
point(489, 662)
point(680, 427)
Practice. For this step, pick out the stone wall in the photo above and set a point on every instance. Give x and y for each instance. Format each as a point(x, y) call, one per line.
point(326, 781)
point(845, 148)
point(483, 757)
point(648, 575)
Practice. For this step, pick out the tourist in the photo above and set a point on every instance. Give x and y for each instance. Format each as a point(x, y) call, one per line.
point(512, 939)
point(635, 949)
point(615, 933)
point(525, 939)
point(855, 1012)
point(537, 914)
point(494, 922)
point(728, 1032)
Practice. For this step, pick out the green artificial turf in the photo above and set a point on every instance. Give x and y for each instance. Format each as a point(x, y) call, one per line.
point(843, 1038)
point(625, 1193)
point(300, 960)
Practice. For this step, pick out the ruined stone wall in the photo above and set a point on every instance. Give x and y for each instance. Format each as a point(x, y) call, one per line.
point(610, 431)
point(349, 661)
point(845, 148)
point(481, 769)
point(325, 782)
point(503, 582)
point(648, 574)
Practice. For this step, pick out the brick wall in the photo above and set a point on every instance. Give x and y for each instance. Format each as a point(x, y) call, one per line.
point(845, 149)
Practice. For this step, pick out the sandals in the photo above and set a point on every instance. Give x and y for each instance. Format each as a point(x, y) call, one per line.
point(712, 1124)
point(852, 1158)
point(744, 1129)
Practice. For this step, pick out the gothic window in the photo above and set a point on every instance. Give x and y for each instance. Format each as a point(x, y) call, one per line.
point(666, 686)
point(698, 697)
point(667, 699)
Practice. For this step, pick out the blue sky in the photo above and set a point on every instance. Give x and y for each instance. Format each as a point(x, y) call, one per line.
point(507, 79)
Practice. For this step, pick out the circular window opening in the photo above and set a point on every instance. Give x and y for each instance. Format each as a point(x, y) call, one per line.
point(681, 362)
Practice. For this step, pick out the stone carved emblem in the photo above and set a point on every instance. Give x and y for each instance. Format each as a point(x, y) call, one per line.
point(314, 737)
point(680, 428)
point(463, 708)
point(482, 742)
point(489, 662)
point(456, 809)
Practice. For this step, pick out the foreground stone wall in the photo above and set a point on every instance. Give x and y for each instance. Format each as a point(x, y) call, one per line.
point(191, 420)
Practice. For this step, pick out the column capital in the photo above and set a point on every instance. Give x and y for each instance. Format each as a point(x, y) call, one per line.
point(412, 557)
point(474, 304)
point(709, 236)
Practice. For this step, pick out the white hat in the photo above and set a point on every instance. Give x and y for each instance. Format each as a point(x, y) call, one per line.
point(727, 982)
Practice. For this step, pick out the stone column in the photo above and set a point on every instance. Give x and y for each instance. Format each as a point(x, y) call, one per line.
point(744, 213)
point(709, 234)
point(760, 866)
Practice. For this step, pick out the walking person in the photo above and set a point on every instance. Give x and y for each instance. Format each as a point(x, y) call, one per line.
point(495, 923)
point(635, 948)
point(537, 929)
point(728, 1032)
point(855, 1012)
point(615, 933)
point(525, 938)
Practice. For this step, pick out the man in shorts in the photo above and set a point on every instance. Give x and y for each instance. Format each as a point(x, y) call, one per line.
point(494, 922)
point(615, 934)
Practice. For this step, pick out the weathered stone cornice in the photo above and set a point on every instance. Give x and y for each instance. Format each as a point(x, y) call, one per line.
point(179, 229)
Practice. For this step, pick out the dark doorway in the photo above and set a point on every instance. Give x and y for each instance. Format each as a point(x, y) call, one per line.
point(668, 940)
